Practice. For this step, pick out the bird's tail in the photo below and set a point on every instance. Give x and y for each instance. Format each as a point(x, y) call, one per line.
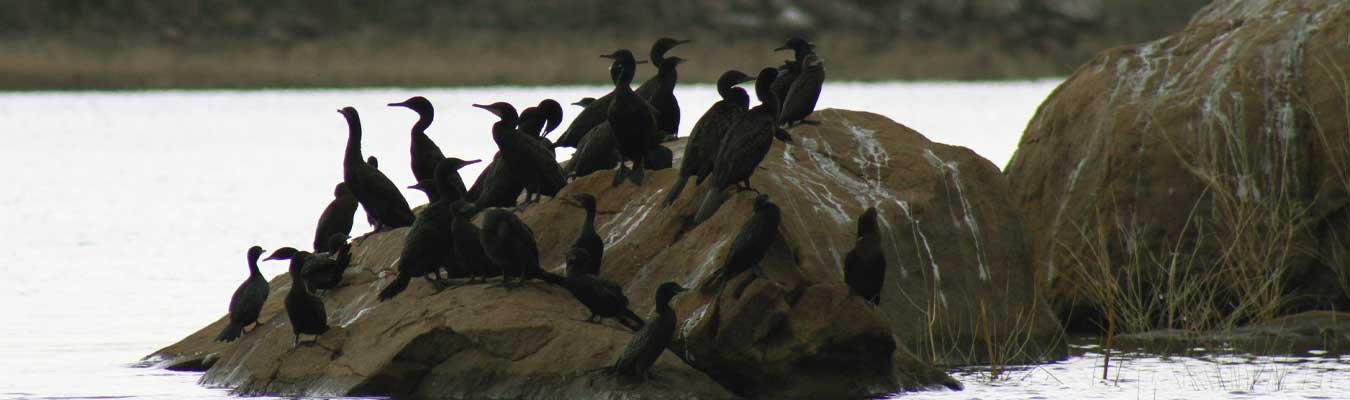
point(394, 288)
point(631, 320)
point(711, 202)
point(675, 191)
point(231, 332)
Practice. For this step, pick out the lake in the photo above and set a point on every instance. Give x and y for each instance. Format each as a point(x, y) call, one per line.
point(127, 215)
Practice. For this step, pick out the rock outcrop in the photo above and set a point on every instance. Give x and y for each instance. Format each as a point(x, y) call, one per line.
point(1214, 159)
point(959, 290)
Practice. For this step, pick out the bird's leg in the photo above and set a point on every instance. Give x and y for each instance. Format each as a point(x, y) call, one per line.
point(295, 341)
point(619, 174)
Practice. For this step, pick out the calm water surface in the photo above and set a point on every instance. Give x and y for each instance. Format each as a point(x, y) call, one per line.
point(126, 217)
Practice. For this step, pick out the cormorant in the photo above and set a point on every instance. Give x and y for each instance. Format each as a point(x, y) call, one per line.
point(247, 301)
point(376, 193)
point(652, 340)
point(324, 271)
point(336, 218)
point(865, 265)
point(663, 98)
point(801, 98)
point(751, 244)
point(494, 186)
point(632, 119)
point(788, 71)
point(433, 191)
point(429, 246)
point(596, 110)
point(305, 310)
point(603, 298)
point(429, 188)
point(510, 244)
point(595, 153)
point(706, 137)
point(468, 248)
point(588, 240)
point(652, 85)
point(541, 119)
point(748, 140)
point(424, 152)
point(530, 162)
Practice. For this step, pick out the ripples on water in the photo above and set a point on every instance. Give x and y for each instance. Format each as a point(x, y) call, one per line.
point(126, 216)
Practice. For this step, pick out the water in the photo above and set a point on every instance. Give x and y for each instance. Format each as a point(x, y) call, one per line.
point(126, 216)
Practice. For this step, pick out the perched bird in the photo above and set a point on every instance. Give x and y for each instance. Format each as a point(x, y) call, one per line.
point(801, 98)
point(336, 218)
point(376, 193)
point(306, 311)
point(632, 118)
point(324, 272)
point(424, 152)
point(595, 153)
point(588, 240)
point(495, 186)
point(865, 265)
point(468, 248)
point(429, 246)
point(746, 144)
point(530, 162)
point(789, 71)
point(510, 244)
point(706, 137)
point(247, 301)
point(655, 84)
point(603, 298)
point(750, 245)
point(542, 118)
point(649, 342)
point(663, 98)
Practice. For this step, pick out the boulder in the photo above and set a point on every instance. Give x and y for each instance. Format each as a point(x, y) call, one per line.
point(1199, 180)
point(959, 281)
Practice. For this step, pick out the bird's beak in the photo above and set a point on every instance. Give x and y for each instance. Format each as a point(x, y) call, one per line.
point(398, 104)
point(489, 108)
point(746, 79)
point(680, 42)
point(472, 162)
point(609, 56)
point(784, 47)
point(640, 62)
point(270, 258)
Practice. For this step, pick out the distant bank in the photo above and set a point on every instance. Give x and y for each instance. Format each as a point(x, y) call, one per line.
point(115, 44)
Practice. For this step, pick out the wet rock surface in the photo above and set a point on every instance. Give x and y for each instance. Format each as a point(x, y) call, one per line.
point(1312, 332)
point(1221, 147)
point(958, 272)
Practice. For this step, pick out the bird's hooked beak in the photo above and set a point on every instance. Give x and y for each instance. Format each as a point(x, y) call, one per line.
point(470, 162)
point(271, 257)
point(489, 108)
point(399, 104)
point(745, 79)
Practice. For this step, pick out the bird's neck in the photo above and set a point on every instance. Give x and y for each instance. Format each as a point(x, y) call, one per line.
point(353, 154)
point(253, 267)
point(590, 220)
point(423, 121)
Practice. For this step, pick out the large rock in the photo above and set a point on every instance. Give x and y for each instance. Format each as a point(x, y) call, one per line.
point(1214, 159)
point(959, 278)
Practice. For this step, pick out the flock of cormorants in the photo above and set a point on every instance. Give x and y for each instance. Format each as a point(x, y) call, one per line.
point(623, 129)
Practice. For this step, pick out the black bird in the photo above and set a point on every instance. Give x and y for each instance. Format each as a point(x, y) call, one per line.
point(789, 71)
point(247, 301)
point(584, 102)
point(801, 98)
point(632, 119)
point(376, 193)
point(324, 271)
point(424, 152)
point(748, 140)
point(652, 85)
point(433, 191)
point(658, 158)
point(865, 265)
point(305, 310)
point(588, 240)
point(541, 119)
point(468, 248)
point(652, 340)
point(595, 153)
point(336, 218)
point(495, 186)
point(750, 246)
point(603, 298)
point(510, 244)
point(530, 162)
point(374, 162)
point(429, 188)
point(663, 98)
point(706, 137)
point(319, 271)
point(429, 246)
